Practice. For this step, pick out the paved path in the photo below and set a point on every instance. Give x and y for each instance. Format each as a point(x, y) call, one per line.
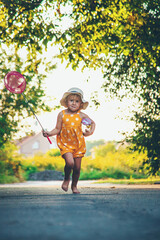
point(42, 211)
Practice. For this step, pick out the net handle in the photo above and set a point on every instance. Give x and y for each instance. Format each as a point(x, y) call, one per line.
point(35, 116)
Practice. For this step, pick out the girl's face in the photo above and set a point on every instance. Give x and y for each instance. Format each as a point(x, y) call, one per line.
point(74, 102)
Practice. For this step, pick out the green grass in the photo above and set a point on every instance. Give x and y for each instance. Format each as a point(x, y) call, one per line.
point(28, 169)
point(111, 173)
point(131, 181)
point(8, 179)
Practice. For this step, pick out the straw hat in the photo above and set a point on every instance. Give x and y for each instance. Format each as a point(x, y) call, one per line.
point(76, 91)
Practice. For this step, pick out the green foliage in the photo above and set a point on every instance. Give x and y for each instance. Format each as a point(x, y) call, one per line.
point(24, 34)
point(55, 152)
point(104, 149)
point(91, 144)
point(8, 179)
point(112, 157)
point(50, 167)
point(119, 37)
point(151, 180)
point(27, 24)
point(28, 169)
point(122, 39)
point(10, 164)
point(118, 164)
point(107, 163)
point(148, 137)
point(110, 173)
point(104, 28)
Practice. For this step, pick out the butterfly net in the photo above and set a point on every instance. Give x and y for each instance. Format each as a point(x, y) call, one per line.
point(15, 82)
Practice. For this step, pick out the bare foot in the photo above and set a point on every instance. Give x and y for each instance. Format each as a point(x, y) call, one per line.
point(65, 185)
point(75, 190)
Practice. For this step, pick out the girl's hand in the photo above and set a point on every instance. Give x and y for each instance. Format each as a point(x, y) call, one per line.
point(90, 124)
point(45, 133)
point(87, 132)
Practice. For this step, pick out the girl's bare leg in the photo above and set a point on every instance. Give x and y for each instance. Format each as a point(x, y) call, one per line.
point(68, 157)
point(76, 174)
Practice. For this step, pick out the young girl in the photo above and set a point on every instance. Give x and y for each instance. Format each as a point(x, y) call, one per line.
point(70, 137)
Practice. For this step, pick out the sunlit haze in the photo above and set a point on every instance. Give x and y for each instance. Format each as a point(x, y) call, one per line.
point(108, 117)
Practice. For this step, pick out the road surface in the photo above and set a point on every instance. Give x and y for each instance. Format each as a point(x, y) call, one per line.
point(42, 211)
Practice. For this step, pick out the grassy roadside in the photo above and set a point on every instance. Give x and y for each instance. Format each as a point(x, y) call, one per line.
point(153, 180)
point(108, 165)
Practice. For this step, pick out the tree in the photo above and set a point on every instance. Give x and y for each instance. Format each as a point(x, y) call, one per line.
point(122, 38)
point(25, 31)
point(13, 107)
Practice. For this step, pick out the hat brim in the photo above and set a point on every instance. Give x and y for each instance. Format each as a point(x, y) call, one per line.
point(66, 94)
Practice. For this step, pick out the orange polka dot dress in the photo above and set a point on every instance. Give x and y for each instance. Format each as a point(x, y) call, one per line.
point(71, 137)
